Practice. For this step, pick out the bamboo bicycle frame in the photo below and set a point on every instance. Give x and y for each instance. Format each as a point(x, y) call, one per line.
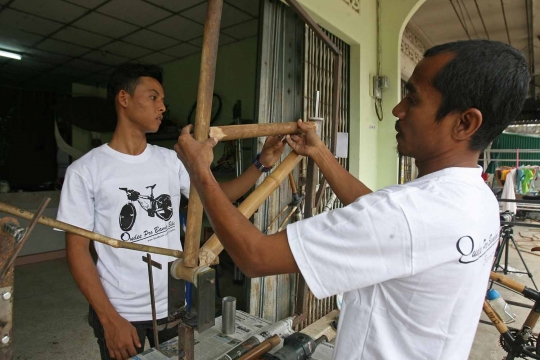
point(517, 343)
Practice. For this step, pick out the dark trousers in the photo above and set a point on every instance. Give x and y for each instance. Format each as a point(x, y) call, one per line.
point(144, 330)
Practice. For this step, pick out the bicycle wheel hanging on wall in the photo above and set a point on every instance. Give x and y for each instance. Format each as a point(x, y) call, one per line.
point(217, 104)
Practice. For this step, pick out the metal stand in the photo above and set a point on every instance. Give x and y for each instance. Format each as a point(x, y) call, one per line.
point(148, 259)
point(507, 236)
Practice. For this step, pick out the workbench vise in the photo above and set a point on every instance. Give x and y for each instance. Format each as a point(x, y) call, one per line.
point(197, 308)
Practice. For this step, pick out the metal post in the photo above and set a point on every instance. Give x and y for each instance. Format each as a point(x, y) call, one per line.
point(148, 260)
point(202, 123)
point(336, 79)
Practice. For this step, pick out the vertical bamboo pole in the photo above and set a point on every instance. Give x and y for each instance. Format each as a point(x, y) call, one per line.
point(202, 123)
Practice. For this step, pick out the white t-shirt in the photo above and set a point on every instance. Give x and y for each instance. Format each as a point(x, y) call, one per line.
point(413, 261)
point(92, 199)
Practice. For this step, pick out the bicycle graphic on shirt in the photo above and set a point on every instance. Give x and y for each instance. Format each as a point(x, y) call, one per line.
point(160, 206)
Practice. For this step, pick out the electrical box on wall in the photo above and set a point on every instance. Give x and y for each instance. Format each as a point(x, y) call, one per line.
point(378, 84)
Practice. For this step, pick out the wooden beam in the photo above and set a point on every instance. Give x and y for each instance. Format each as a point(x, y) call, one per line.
point(202, 123)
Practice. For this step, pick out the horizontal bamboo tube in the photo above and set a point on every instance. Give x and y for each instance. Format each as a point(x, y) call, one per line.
point(89, 234)
point(213, 246)
point(507, 282)
point(235, 132)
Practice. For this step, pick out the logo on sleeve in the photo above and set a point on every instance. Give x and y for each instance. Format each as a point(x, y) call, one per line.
point(470, 251)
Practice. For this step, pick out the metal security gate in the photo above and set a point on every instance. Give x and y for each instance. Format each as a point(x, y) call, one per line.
point(318, 71)
point(279, 100)
point(293, 65)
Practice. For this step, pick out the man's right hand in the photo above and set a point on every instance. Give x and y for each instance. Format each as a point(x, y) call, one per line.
point(121, 338)
point(307, 144)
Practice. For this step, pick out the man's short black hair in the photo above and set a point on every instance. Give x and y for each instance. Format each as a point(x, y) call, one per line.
point(126, 77)
point(487, 75)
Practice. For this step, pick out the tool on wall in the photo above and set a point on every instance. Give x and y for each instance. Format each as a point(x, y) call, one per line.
point(295, 205)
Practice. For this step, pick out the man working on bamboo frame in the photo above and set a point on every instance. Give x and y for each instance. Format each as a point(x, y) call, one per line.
point(130, 190)
point(413, 260)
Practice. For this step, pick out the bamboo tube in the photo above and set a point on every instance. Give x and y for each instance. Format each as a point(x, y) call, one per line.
point(202, 123)
point(507, 282)
point(293, 185)
point(277, 217)
point(262, 348)
point(284, 223)
point(213, 247)
point(495, 319)
point(235, 132)
point(532, 319)
point(89, 234)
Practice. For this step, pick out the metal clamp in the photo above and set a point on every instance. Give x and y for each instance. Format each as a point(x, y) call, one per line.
point(15, 230)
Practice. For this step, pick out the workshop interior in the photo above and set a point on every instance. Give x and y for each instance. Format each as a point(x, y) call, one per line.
point(273, 62)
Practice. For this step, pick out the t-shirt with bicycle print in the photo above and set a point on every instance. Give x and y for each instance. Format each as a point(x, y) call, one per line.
point(130, 198)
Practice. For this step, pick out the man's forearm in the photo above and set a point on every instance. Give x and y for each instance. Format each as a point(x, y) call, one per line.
point(255, 253)
point(346, 187)
point(84, 272)
point(237, 187)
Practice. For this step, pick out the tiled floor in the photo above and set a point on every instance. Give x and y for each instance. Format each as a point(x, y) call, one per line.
point(50, 312)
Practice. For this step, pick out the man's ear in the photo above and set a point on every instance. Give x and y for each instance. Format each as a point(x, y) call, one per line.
point(123, 98)
point(468, 124)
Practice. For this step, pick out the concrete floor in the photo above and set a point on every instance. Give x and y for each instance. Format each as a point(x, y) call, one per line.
point(486, 343)
point(50, 312)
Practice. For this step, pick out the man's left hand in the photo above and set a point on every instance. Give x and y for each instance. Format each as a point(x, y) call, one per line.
point(272, 149)
point(196, 155)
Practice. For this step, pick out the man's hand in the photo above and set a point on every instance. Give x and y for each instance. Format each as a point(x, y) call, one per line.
point(308, 143)
point(272, 149)
point(121, 338)
point(196, 155)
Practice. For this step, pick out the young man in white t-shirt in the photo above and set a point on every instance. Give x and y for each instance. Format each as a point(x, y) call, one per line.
point(130, 190)
point(413, 260)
